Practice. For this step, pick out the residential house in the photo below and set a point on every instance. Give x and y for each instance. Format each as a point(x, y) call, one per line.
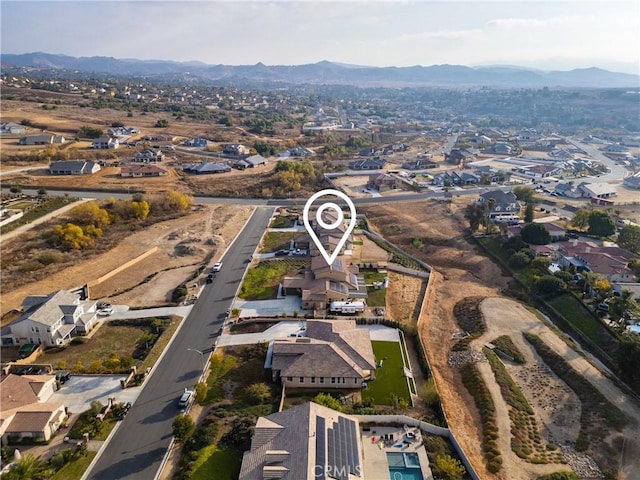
point(632, 181)
point(148, 156)
point(567, 190)
point(123, 131)
point(207, 168)
point(236, 149)
point(633, 287)
point(138, 171)
point(610, 262)
point(367, 164)
point(250, 162)
point(419, 165)
point(597, 190)
point(296, 152)
point(37, 139)
point(105, 143)
point(443, 179)
point(304, 442)
point(383, 182)
point(73, 167)
point(196, 142)
point(505, 204)
point(501, 148)
point(334, 354)
point(52, 319)
point(537, 171)
point(25, 412)
point(480, 140)
point(527, 136)
point(12, 128)
point(460, 156)
point(464, 178)
point(158, 137)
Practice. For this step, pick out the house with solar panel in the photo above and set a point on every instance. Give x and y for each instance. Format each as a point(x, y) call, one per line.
point(334, 354)
point(307, 441)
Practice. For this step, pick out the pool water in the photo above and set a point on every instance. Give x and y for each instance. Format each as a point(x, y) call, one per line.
point(404, 466)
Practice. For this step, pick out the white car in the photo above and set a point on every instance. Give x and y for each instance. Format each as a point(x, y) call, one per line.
point(217, 267)
point(186, 398)
point(105, 312)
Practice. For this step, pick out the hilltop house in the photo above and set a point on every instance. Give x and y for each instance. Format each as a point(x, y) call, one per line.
point(138, 171)
point(41, 139)
point(105, 143)
point(304, 442)
point(368, 164)
point(383, 182)
point(148, 156)
point(250, 162)
point(12, 128)
point(52, 319)
point(73, 167)
point(24, 410)
point(334, 354)
point(236, 149)
point(207, 168)
point(196, 142)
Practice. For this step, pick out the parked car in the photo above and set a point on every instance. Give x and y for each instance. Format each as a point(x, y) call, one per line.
point(210, 278)
point(217, 267)
point(282, 253)
point(186, 398)
point(105, 312)
point(62, 376)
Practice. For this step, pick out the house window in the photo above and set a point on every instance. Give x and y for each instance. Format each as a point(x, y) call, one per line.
point(355, 381)
point(301, 379)
point(289, 379)
point(333, 379)
point(313, 379)
point(321, 379)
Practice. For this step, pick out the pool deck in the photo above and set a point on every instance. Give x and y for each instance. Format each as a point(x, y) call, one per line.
point(375, 455)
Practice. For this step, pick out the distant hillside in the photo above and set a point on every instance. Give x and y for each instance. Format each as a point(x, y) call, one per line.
point(335, 73)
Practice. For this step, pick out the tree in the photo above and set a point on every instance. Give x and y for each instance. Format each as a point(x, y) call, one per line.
point(89, 132)
point(529, 212)
point(239, 437)
point(601, 224)
point(519, 260)
point(71, 236)
point(536, 234)
point(162, 123)
point(258, 393)
point(29, 467)
point(541, 264)
point(524, 193)
point(602, 286)
point(629, 238)
point(201, 392)
point(183, 427)
point(328, 401)
point(140, 210)
point(623, 306)
point(177, 201)
point(474, 213)
point(90, 213)
point(634, 266)
point(449, 468)
point(580, 219)
point(548, 284)
point(15, 189)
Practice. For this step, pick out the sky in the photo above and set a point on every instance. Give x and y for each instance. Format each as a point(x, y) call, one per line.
point(558, 35)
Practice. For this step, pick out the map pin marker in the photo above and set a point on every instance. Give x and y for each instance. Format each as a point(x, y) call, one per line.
point(329, 226)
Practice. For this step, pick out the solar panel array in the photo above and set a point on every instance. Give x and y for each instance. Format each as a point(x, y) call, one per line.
point(321, 444)
point(342, 449)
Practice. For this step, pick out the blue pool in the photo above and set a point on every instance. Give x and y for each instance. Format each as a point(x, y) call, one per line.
point(404, 466)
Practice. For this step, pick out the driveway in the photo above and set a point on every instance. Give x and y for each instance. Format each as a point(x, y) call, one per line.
point(288, 305)
point(80, 390)
point(281, 330)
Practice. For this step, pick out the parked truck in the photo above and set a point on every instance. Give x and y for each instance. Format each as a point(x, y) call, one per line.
point(347, 307)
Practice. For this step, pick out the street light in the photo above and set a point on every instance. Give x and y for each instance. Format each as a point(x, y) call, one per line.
point(201, 359)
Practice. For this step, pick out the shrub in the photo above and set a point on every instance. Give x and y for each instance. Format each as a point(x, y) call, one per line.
point(548, 284)
point(179, 294)
point(183, 427)
point(519, 260)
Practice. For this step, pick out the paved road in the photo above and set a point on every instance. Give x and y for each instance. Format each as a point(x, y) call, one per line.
point(137, 448)
point(616, 172)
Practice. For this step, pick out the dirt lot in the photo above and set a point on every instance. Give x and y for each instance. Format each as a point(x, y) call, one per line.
point(467, 273)
point(182, 243)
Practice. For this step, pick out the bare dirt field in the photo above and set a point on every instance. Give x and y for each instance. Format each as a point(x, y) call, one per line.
point(467, 273)
point(182, 243)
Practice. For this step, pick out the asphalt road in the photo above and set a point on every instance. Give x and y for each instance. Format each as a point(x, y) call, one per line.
point(136, 450)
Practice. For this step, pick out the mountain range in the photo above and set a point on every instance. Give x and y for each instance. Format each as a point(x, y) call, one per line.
point(333, 73)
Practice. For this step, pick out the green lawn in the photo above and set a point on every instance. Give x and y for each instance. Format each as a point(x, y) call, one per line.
point(390, 377)
point(74, 470)
point(274, 241)
point(578, 316)
point(261, 282)
point(218, 464)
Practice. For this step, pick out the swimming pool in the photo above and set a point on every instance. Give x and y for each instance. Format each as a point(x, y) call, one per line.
point(404, 466)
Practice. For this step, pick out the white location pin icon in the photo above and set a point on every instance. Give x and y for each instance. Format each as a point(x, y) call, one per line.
point(329, 226)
